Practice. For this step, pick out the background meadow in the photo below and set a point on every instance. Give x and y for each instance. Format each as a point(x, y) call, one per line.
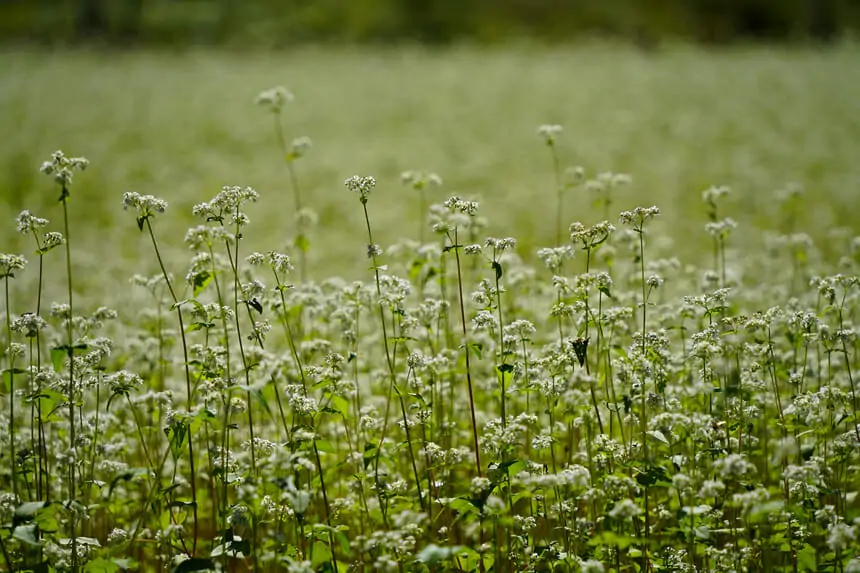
point(670, 390)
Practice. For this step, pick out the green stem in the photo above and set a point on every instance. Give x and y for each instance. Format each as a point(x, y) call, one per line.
point(188, 394)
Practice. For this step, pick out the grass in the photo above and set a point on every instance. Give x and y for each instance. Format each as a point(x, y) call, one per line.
point(679, 396)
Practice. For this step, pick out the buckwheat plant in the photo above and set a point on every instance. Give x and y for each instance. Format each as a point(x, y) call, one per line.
point(345, 425)
point(459, 212)
point(363, 186)
point(147, 208)
point(274, 100)
point(9, 265)
point(420, 181)
point(62, 169)
point(550, 133)
point(636, 219)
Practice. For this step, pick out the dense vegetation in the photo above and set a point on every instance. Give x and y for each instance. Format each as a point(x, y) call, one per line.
point(584, 370)
point(282, 23)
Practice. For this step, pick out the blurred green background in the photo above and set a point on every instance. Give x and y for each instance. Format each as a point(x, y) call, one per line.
point(286, 22)
point(753, 94)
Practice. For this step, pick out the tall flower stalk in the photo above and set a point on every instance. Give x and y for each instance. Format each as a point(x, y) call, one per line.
point(636, 220)
point(62, 168)
point(274, 99)
point(29, 224)
point(147, 207)
point(460, 212)
point(363, 186)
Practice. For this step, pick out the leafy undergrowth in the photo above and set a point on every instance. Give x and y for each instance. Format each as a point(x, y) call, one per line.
point(606, 408)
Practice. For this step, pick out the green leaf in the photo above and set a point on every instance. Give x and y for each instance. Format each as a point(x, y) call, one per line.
point(497, 266)
point(325, 446)
point(806, 559)
point(194, 564)
point(301, 243)
point(321, 554)
point(658, 435)
point(58, 357)
point(200, 281)
point(613, 540)
point(605, 290)
point(101, 565)
point(477, 349)
point(504, 368)
point(26, 512)
point(461, 505)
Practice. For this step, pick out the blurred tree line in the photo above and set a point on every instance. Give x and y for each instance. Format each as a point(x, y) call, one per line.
point(277, 23)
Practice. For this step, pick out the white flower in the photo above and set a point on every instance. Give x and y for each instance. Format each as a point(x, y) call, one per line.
point(625, 509)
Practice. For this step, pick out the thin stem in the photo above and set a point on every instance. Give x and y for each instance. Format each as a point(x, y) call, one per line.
point(70, 350)
point(13, 456)
point(390, 362)
point(188, 393)
point(456, 248)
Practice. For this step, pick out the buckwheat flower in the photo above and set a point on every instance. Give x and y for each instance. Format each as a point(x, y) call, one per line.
point(419, 180)
point(748, 500)
point(721, 229)
point(484, 320)
point(255, 259)
point(480, 485)
point(456, 204)
point(122, 382)
point(542, 442)
point(61, 168)
point(473, 249)
point(711, 194)
point(146, 205)
point(300, 147)
point(279, 262)
point(15, 350)
point(853, 566)
point(117, 535)
point(590, 237)
point(11, 263)
point(554, 258)
point(373, 250)
point(361, 185)
point(61, 311)
point(237, 405)
point(252, 290)
point(681, 482)
point(840, 535)
point(415, 360)
point(51, 240)
point(262, 447)
point(711, 488)
point(522, 329)
point(549, 132)
point(202, 237)
point(501, 244)
point(29, 324)
point(592, 566)
point(27, 223)
point(638, 216)
point(274, 98)
point(625, 509)
point(654, 281)
point(576, 476)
